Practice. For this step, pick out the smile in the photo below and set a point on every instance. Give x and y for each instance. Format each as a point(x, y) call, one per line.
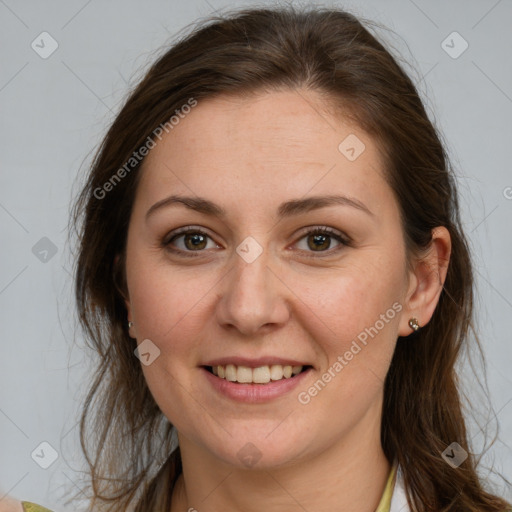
point(254, 381)
point(259, 375)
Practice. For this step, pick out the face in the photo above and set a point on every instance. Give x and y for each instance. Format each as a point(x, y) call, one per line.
point(245, 276)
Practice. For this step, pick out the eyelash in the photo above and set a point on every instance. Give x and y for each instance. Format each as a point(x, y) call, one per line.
point(320, 230)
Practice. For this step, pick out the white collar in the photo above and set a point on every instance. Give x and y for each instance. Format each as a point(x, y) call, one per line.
point(398, 499)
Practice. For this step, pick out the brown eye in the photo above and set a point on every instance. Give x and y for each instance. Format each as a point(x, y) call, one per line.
point(320, 240)
point(194, 241)
point(187, 241)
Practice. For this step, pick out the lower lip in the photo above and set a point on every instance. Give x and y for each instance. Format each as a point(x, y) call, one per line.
point(254, 393)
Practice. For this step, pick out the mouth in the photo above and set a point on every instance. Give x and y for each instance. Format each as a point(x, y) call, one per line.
point(263, 375)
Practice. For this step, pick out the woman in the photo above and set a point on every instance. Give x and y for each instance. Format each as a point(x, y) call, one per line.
point(272, 270)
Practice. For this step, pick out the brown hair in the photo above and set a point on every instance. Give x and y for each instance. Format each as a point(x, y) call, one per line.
point(135, 459)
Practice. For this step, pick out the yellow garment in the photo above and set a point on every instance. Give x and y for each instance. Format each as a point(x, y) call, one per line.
point(385, 501)
point(33, 507)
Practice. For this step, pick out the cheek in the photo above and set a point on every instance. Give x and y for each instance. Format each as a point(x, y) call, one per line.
point(353, 318)
point(164, 299)
point(335, 306)
point(353, 299)
point(168, 308)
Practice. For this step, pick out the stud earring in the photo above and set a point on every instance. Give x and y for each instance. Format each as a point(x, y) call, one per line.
point(130, 325)
point(413, 324)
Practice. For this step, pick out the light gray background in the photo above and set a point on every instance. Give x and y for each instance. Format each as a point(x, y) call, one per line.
point(54, 112)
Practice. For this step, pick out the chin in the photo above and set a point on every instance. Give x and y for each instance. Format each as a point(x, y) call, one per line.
point(260, 451)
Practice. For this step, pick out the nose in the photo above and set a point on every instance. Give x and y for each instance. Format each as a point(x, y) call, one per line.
point(254, 298)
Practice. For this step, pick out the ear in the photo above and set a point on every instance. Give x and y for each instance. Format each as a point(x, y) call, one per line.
point(426, 281)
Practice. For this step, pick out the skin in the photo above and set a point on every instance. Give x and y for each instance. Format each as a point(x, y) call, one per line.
point(8, 504)
point(249, 155)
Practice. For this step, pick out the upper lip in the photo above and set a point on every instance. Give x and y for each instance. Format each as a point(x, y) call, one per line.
point(255, 363)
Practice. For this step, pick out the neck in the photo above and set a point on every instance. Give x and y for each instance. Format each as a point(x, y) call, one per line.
point(349, 475)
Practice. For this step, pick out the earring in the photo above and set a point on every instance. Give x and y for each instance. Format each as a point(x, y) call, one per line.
point(413, 324)
point(130, 325)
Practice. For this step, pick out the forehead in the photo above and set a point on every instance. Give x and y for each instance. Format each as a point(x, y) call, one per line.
point(263, 147)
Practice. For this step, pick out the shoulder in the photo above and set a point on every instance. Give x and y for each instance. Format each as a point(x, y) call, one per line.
point(10, 505)
point(33, 507)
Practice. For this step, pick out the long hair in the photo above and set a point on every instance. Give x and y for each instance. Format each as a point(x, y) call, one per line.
point(130, 447)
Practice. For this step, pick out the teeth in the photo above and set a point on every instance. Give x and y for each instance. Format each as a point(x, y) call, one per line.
point(296, 370)
point(231, 373)
point(244, 374)
point(260, 375)
point(276, 372)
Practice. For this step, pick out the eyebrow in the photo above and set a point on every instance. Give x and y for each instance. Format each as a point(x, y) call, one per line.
point(287, 209)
